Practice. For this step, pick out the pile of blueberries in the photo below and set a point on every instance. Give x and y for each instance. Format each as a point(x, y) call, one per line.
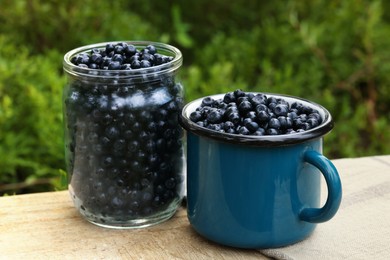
point(124, 161)
point(244, 113)
point(121, 56)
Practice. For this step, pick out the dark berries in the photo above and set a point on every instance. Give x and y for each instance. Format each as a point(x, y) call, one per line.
point(123, 140)
point(244, 113)
point(120, 56)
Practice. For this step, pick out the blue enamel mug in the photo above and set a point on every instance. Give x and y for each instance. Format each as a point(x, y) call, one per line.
point(258, 191)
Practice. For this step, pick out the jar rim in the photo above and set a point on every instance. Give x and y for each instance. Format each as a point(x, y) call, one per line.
point(251, 140)
point(169, 67)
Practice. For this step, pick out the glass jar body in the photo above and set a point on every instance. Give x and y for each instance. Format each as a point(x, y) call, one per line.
point(123, 144)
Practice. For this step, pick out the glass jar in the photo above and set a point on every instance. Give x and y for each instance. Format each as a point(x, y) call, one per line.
point(123, 143)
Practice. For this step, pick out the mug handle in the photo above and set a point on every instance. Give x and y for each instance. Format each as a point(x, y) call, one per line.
point(332, 178)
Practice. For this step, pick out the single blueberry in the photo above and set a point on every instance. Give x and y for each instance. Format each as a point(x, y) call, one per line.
point(243, 130)
point(74, 98)
point(258, 100)
point(108, 161)
point(105, 141)
point(261, 107)
point(272, 131)
point(170, 183)
point(148, 57)
point(136, 166)
point(315, 115)
point(246, 120)
point(109, 47)
point(133, 146)
point(207, 101)
point(136, 127)
point(290, 131)
point(307, 110)
point(152, 126)
point(96, 58)
point(222, 105)
point(271, 100)
point(259, 132)
point(144, 136)
point(229, 110)
point(82, 58)
point(252, 126)
point(292, 114)
point(114, 65)
point(215, 127)
point(136, 64)
point(117, 57)
point(239, 93)
point(93, 66)
point(96, 50)
point(153, 160)
point(305, 126)
point(313, 122)
point(158, 59)
point(133, 58)
point(141, 156)
point(112, 132)
point(119, 144)
point(274, 123)
point(173, 106)
point(118, 49)
point(230, 131)
point(151, 48)
point(245, 106)
point(242, 99)
point(214, 117)
point(85, 66)
point(298, 106)
point(229, 97)
point(167, 59)
point(145, 64)
point(130, 50)
point(228, 125)
point(252, 115)
point(298, 123)
point(263, 116)
point(196, 116)
point(162, 125)
point(250, 95)
point(235, 118)
point(271, 106)
point(281, 110)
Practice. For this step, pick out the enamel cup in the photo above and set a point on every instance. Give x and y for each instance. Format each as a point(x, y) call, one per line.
point(258, 191)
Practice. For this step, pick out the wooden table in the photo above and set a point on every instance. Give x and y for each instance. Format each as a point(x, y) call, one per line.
point(47, 226)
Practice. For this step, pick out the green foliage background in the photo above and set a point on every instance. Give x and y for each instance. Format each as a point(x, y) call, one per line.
point(334, 52)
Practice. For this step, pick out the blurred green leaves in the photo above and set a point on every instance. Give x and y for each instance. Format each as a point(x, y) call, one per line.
point(333, 52)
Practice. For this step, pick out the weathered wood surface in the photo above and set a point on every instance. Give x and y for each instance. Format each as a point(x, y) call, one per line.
point(47, 226)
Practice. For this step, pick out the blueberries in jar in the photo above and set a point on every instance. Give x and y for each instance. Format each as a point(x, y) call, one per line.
point(129, 155)
point(110, 141)
point(121, 56)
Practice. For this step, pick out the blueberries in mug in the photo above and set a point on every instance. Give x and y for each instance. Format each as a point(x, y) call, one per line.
point(244, 113)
